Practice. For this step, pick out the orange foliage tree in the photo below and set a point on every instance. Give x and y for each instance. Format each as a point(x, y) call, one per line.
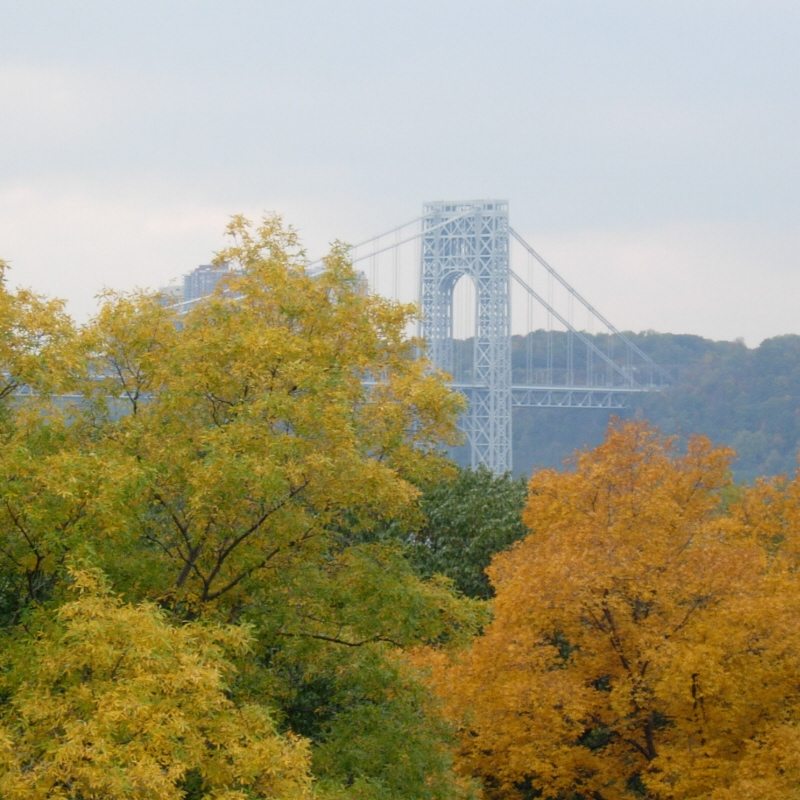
point(644, 640)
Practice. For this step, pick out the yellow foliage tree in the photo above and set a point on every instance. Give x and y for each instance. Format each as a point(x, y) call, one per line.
point(112, 701)
point(644, 643)
point(230, 465)
point(35, 338)
point(38, 356)
point(270, 412)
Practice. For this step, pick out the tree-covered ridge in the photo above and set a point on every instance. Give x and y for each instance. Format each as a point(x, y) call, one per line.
point(748, 399)
point(745, 398)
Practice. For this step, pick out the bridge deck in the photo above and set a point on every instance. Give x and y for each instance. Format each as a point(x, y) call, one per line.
point(567, 396)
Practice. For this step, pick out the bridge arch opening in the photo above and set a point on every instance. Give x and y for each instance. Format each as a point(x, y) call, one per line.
point(464, 325)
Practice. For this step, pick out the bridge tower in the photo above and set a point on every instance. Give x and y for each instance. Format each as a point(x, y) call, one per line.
point(472, 239)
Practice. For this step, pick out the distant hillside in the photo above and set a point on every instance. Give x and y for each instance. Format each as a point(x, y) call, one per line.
point(746, 398)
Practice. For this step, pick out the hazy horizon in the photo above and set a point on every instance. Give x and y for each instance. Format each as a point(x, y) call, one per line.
point(648, 151)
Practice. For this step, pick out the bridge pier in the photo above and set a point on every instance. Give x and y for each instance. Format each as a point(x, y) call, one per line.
point(472, 238)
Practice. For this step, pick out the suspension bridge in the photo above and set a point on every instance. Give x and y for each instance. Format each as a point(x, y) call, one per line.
point(497, 318)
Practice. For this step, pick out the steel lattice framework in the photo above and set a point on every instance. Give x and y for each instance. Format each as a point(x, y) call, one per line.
point(472, 239)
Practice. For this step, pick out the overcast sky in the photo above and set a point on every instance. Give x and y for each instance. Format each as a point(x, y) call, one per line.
point(649, 150)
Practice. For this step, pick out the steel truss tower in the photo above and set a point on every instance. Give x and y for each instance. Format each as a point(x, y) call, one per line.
point(472, 238)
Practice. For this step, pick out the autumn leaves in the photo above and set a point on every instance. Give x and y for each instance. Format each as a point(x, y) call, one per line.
point(110, 700)
point(645, 640)
point(220, 475)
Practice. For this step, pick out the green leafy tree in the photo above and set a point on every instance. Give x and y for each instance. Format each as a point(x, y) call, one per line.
point(466, 520)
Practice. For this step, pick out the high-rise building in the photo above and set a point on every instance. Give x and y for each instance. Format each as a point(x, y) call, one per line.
point(202, 281)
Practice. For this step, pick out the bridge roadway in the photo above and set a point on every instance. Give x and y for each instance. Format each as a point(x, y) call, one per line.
point(564, 396)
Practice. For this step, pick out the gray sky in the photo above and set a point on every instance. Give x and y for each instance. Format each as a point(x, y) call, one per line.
point(649, 150)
